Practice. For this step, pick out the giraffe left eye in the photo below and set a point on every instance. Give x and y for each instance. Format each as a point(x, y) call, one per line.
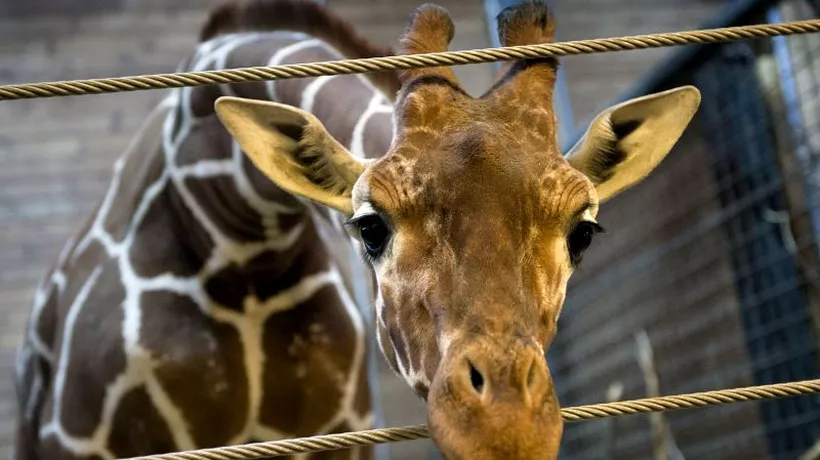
point(580, 238)
point(374, 232)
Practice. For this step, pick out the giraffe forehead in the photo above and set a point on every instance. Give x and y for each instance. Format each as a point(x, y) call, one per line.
point(563, 189)
point(472, 180)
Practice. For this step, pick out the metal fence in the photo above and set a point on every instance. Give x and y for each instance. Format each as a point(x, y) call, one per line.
point(715, 259)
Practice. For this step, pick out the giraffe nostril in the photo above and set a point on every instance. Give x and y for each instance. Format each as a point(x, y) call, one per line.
point(476, 379)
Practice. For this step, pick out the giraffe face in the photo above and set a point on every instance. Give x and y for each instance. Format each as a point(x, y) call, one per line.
point(472, 223)
point(472, 239)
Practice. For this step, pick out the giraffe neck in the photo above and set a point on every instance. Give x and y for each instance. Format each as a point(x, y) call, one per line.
point(233, 213)
point(189, 224)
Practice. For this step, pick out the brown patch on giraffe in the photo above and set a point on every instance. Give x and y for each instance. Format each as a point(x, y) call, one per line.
point(361, 401)
point(30, 399)
point(51, 449)
point(46, 321)
point(77, 272)
point(309, 353)
point(138, 428)
point(169, 239)
point(203, 99)
point(268, 190)
point(26, 440)
point(267, 274)
point(221, 201)
point(200, 364)
point(207, 140)
point(141, 168)
point(97, 362)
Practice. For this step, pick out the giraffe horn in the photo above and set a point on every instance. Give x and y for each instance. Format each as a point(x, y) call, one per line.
point(430, 30)
point(528, 23)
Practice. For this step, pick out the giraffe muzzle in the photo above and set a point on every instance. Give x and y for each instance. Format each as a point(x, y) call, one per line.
point(492, 399)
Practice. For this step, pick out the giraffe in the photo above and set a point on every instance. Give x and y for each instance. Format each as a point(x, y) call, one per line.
point(216, 274)
point(471, 221)
point(200, 305)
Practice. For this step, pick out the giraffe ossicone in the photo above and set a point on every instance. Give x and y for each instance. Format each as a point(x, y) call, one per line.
point(230, 269)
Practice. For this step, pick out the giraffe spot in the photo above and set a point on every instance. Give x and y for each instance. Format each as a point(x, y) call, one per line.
point(207, 139)
point(46, 320)
point(96, 356)
point(200, 365)
point(31, 381)
point(362, 402)
point(141, 168)
point(268, 190)
point(203, 99)
point(138, 428)
point(169, 240)
point(306, 373)
point(50, 448)
point(268, 274)
point(224, 206)
point(26, 440)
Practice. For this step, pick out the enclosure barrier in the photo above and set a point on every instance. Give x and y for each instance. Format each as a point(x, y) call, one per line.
point(354, 66)
point(403, 62)
point(571, 414)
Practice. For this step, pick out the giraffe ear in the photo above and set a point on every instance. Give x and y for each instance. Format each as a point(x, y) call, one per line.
point(624, 143)
point(293, 149)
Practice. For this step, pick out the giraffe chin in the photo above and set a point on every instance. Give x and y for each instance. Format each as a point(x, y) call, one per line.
point(494, 402)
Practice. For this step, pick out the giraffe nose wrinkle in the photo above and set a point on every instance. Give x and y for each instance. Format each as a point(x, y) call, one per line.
point(535, 379)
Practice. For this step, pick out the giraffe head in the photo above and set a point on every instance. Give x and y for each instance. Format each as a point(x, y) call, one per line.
point(472, 222)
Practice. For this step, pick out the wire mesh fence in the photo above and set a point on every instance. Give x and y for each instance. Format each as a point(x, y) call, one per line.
point(715, 258)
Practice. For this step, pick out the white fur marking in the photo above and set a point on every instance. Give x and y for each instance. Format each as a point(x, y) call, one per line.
point(283, 53)
point(309, 95)
point(374, 106)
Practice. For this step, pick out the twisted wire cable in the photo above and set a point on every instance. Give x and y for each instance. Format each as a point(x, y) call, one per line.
point(570, 414)
point(402, 62)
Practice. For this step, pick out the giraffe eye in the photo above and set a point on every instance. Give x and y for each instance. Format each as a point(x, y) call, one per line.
point(580, 238)
point(374, 233)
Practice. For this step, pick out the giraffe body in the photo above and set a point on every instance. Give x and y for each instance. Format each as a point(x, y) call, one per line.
point(201, 305)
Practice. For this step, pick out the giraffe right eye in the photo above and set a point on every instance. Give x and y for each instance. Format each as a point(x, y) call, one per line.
point(374, 233)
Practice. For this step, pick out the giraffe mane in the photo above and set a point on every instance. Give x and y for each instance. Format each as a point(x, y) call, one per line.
point(305, 16)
